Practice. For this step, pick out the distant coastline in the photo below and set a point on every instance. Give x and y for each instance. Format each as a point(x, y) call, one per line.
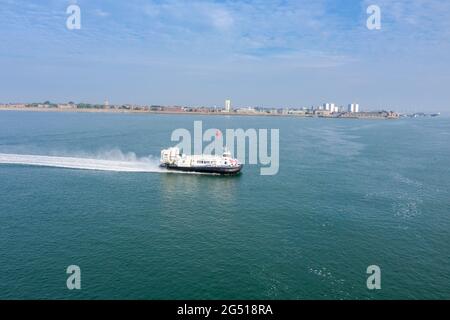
point(202, 111)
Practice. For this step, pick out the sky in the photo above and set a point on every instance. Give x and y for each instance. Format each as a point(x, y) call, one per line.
point(279, 53)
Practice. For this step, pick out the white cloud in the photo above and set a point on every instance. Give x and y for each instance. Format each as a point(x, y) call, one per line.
point(192, 14)
point(101, 13)
point(221, 18)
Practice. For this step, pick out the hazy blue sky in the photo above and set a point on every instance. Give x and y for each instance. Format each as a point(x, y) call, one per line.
point(259, 53)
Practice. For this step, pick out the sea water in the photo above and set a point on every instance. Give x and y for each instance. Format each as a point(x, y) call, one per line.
point(85, 189)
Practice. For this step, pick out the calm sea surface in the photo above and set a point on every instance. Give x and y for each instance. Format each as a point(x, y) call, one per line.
point(349, 194)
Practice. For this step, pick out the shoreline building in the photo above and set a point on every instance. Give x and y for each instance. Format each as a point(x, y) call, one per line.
point(353, 107)
point(331, 107)
point(228, 105)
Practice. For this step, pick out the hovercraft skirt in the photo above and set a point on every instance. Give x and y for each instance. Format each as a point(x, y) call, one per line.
point(212, 170)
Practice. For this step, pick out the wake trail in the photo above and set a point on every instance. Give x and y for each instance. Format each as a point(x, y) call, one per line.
point(134, 165)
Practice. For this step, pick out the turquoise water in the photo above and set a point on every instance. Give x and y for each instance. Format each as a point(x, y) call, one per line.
point(349, 194)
